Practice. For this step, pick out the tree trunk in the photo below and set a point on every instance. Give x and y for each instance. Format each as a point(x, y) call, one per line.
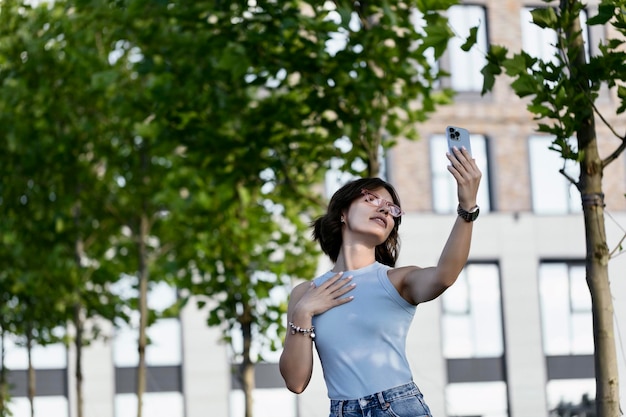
point(79, 252)
point(247, 367)
point(142, 253)
point(3, 378)
point(78, 326)
point(31, 370)
point(597, 257)
point(605, 357)
point(143, 313)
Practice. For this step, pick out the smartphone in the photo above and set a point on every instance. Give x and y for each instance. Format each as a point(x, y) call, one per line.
point(459, 137)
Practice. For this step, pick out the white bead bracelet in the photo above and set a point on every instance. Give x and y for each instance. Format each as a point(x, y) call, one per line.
point(297, 329)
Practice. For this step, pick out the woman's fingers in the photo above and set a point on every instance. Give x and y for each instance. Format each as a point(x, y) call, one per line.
point(333, 280)
point(463, 167)
point(329, 294)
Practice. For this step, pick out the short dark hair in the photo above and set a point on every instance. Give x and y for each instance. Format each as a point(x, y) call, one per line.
point(327, 228)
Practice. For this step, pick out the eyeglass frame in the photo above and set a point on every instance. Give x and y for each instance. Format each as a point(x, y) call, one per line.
point(390, 205)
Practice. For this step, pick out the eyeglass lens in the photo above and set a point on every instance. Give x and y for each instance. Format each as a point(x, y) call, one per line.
point(372, 198)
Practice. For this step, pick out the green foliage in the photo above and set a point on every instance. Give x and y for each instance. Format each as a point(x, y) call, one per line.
point(184, 141)
point(562, 93)
point(555, 95)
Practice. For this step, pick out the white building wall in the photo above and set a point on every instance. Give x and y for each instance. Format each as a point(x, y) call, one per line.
point(206, 368)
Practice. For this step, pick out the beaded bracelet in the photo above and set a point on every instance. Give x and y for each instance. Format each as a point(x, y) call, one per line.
point(297, 329)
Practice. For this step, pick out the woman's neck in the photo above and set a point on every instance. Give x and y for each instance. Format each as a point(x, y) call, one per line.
point(354, 257)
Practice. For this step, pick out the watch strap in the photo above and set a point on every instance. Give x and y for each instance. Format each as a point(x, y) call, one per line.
point(468, 216)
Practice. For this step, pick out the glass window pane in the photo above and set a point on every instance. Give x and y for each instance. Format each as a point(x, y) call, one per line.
point(48, 406)
point(457, 336)
point(537, 42)
point(566, 330)
point(569, 391)
point(277, 402)
point(485, 399)
point(444, 186)
point(161, 404)
point(579, 291)
point(472, 314)
point(44, 357)
point(582, 334)
point(552, 193)
point(540, 42)
point(486, 312)
point(465, 67)
point(457, 300)
point(555, 309)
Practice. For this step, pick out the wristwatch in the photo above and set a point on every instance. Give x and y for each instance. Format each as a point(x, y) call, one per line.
point(468, 216)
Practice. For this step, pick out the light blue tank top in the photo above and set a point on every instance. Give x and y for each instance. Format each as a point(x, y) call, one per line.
point(362, 344)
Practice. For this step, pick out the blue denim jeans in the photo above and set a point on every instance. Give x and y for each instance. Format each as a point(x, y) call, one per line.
point(403, 401)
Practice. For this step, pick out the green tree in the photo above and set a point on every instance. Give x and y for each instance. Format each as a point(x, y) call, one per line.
point(187, 139)
point(563, 94)
point(53, 231)
point(381, 82)
point(257, 99)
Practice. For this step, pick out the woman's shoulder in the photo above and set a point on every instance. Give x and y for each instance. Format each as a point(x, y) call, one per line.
point(298, 291)
point(398, 275)
point(301, 287)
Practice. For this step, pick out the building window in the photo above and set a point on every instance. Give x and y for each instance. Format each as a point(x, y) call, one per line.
point(50, 364)
point(155, 404)
point(473, 343)
point(49, 406)
point(264, 403)
point(488, 399)
point(163, 396)
point(52, 356)
point(445, 198)
point(567, 330)
point(565, 309)
point(465, 67)
point(540, 42)
point(472, 314)
point(552, 192)
point(570, 391)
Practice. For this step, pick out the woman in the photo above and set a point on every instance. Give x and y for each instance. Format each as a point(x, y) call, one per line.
point(359, 318)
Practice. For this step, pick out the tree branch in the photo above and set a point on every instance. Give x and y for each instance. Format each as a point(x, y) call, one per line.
point(615, 154)
point(569, 178)
point(618, 248)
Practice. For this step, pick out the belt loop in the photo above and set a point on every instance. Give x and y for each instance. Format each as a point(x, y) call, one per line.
point(381, 400)
point(340, 409)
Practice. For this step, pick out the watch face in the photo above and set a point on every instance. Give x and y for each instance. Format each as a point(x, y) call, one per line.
point(469, 216)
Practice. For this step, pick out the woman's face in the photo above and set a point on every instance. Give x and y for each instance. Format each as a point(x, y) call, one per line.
point(370, 215)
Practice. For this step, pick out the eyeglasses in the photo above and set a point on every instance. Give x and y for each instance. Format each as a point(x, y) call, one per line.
point(377, 201)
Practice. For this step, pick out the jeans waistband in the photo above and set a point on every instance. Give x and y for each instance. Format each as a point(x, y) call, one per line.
point(381, 399)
